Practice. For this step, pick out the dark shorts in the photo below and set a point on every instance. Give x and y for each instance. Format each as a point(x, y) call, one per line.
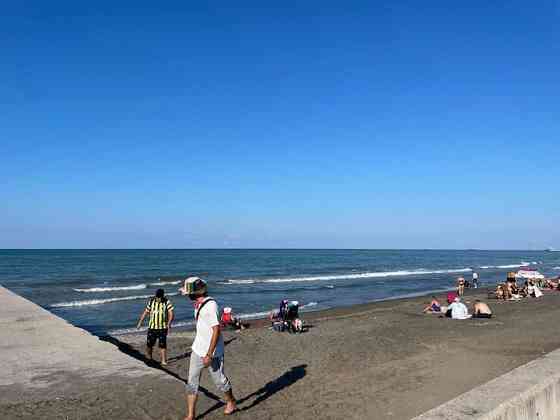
point(482, 316)
point(157, 335)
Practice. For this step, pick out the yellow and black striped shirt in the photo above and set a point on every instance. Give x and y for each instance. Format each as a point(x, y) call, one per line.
point(158, 309)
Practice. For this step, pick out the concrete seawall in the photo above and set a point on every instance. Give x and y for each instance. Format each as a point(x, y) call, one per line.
point(529, 392)
point(45, 359)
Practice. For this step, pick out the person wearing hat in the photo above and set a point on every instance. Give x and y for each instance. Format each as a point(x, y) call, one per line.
point(207, 348)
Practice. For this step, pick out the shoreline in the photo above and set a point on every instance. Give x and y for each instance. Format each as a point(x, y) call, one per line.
point(258, 322)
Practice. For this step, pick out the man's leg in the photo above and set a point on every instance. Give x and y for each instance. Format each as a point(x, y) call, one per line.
point(150, 341)
point(195, 370)
point(222, 382)
point(163, 347)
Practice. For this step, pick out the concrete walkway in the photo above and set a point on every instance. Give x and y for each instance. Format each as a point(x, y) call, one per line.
point(43, 357)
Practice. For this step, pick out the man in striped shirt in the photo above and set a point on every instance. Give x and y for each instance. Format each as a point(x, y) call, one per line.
point(160, 310)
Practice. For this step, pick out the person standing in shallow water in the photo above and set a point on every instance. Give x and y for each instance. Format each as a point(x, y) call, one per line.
point(207, 348)
point(160, 310)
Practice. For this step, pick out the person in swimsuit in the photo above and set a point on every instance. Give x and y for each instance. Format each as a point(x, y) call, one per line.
point(434, 306)
point(460, 286)
point(481, 310)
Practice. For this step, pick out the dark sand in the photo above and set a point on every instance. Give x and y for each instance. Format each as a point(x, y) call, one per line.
point(383, 360)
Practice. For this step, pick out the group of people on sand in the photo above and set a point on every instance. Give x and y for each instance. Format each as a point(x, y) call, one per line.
point(510, 290)
point(456, 309)
point(208, 345)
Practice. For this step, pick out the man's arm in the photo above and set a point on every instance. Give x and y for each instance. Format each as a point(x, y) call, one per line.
point(170, 319)
point(213, 343)
point(141, 320)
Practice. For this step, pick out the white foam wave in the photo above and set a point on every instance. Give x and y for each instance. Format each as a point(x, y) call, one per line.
point(111, 289)
point(556, 268)
point(78, 303)
point(367, 275)
point(165, 283)
point(521, 264)
point(133, 287)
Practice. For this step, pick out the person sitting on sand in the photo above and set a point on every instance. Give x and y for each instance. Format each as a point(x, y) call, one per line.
point(451, 297)
point(533, 290)
point(512, 291)
point(228, 320)
point(457, 310)
point(500, 293)
point(434, 306)
point(481, 310)
point(551, 284)
point(160, 310)
point(207, 348)
point(460, 286)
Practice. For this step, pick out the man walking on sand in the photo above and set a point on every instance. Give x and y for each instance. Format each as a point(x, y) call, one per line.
point(160, 310)
point(207, 348)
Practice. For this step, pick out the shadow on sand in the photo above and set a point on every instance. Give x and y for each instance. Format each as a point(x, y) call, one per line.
point(138, 355)
point(269, 389)
point(288, 378)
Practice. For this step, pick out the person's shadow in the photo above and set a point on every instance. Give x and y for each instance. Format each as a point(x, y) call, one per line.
point(288, 378)
point(131, 351)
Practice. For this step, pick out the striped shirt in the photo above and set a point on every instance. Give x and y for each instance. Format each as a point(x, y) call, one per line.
point(158, 309)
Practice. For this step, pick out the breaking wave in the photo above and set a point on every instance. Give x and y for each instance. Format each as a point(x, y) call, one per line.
point(111, 289)
point(133, 287)
point(521, 264)
point(367, 275)
point(78, 303)
point(166, 283)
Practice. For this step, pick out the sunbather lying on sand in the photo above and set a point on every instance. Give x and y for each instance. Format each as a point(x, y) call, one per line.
point(434, 306)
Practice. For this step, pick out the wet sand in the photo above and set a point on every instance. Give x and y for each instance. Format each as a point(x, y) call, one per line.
point(382, 360)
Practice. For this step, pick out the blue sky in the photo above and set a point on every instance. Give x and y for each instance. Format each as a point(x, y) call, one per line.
point(303, 124)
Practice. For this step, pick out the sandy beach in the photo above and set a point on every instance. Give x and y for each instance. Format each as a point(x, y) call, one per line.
point(383, 360)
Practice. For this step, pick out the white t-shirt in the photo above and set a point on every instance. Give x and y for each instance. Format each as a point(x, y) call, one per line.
point(207, 319)
point(475, 276)
point(458, 310)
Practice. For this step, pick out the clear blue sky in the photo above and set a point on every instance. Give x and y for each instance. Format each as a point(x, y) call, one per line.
point(303, 124)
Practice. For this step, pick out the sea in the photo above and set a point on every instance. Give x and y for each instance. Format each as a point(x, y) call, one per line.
point(105, 291)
